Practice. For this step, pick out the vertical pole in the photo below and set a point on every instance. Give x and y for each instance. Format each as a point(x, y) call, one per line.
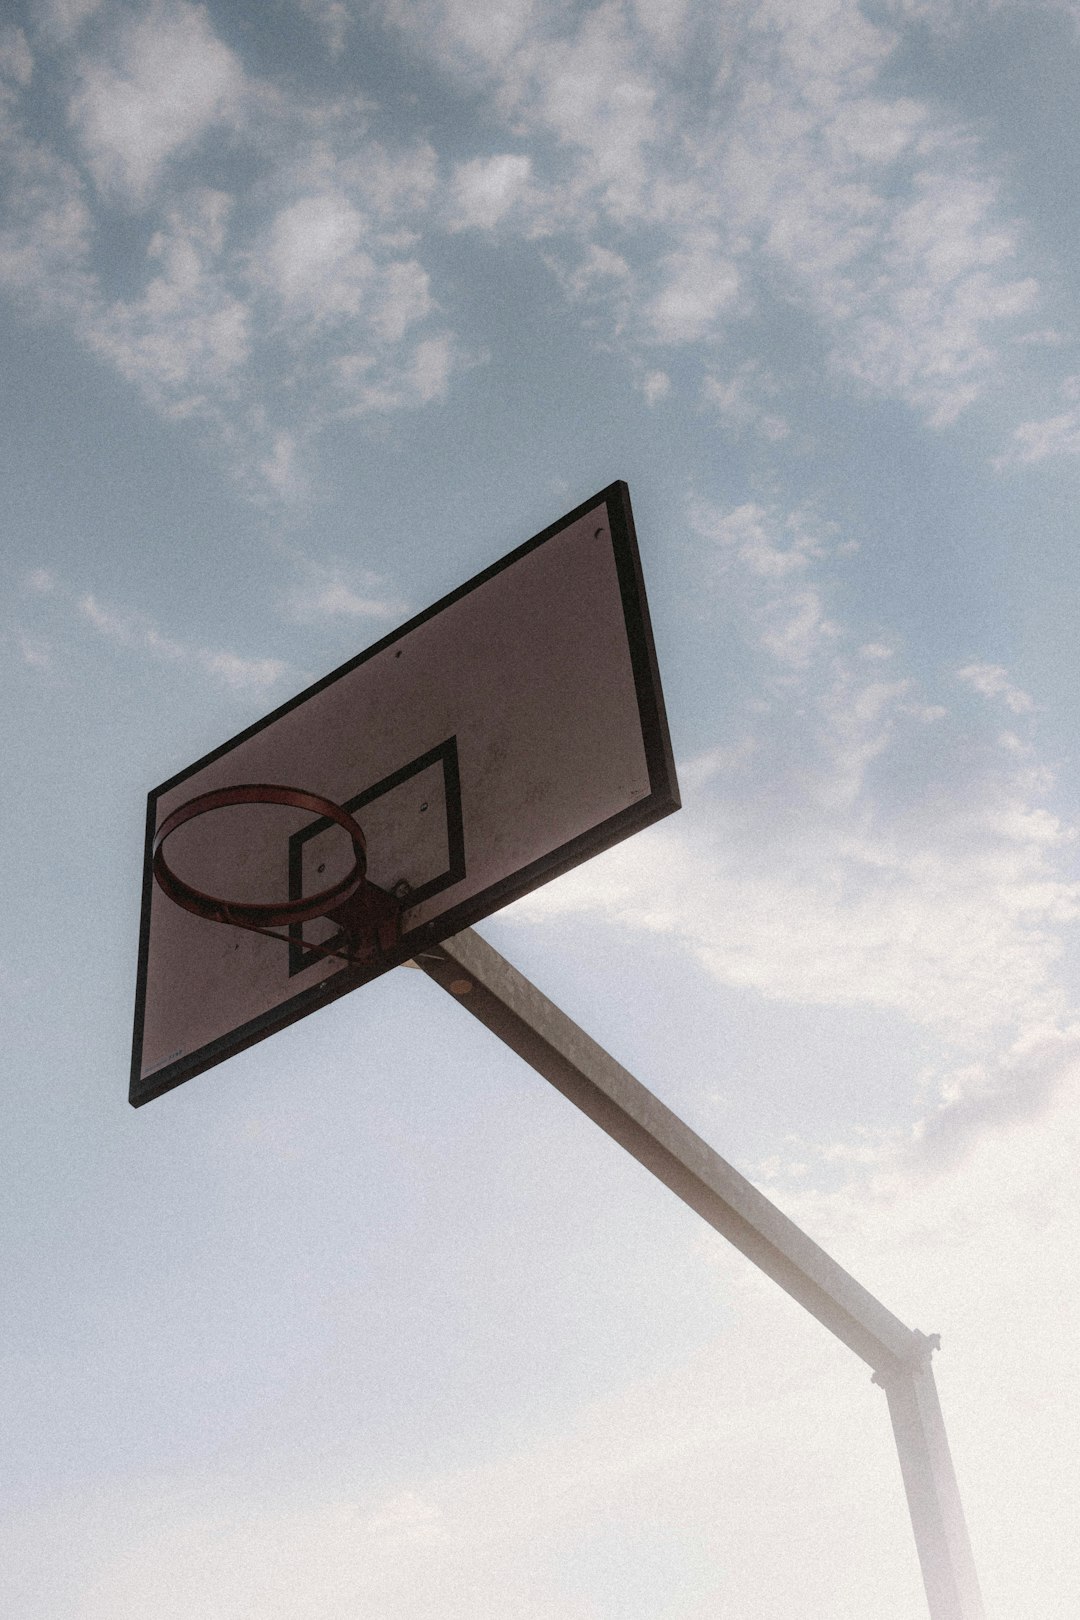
point(937, 1517)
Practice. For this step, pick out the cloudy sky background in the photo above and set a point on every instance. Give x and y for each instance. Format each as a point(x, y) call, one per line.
point(309, 311)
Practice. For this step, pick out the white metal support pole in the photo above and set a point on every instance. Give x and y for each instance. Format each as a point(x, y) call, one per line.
point(937, 1517)
point(518, 1013)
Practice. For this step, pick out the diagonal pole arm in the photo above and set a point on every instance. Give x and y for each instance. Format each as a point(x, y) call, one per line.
point(508, 1004)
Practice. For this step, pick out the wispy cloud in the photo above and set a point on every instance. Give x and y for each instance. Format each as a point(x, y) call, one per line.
point(58, 20)
point(850, 842)
point(332, 597)
point(796, 172)
point(331, 19)
point(186, 339)
point(36, 651)
point(286, 296)
point(653, 1456)
point(739, 400)
point(41, 581)
point(51, 607)
point(139, 634)
point(1055, 435)
point(676, 207)
point(992, 681)
point(484, 190)
point(46, 227)
point(16, 58)
point(161, 81)
point(655, 385)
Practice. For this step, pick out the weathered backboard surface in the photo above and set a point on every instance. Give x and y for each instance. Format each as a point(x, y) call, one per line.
point(501, 737)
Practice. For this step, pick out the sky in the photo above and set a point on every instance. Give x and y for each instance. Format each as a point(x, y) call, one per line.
point(309, 310)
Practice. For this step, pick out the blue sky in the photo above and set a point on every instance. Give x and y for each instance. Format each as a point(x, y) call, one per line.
point(307, 313)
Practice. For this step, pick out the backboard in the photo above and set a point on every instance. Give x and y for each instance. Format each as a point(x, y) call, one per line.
point(501, 737)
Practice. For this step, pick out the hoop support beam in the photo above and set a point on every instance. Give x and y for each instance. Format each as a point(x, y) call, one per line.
point(509, 1005)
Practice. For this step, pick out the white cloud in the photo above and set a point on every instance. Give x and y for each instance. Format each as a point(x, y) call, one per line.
point(665, 21)
point(867, 208)
point(429, 371)
point(485, 189)
point(975, 1248)
point(992, 680)
point(16, 58)
point(1036, 440)
point(655, 385)
point(464, 35)
point(45, 227)
point(262, 315)
point(963, 948)
point(404, 299)
point(335, 598)
point(577, 77)
point(194, 339)
point(733, 397)
point(60, 20)
point(167, 80)
point(129, 630)
point(797, 627)
point(754, 1474)
point(138, 634)
point(36, 652)
point(279, 467)
point(698, 282)
point(655, 1457)
point(332, 20)
point(394, 187)
point(242, 674)
point(751, 537)
point(841, 849)
point(877, 214)
point(594, 93)
point(314, 259)
point(187, 335)
point(671, 216)
point(715, 762)
point(419, 378)
point(768, 564)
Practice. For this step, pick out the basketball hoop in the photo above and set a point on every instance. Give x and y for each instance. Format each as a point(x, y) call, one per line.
point(368, 917)
point(248, 914)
